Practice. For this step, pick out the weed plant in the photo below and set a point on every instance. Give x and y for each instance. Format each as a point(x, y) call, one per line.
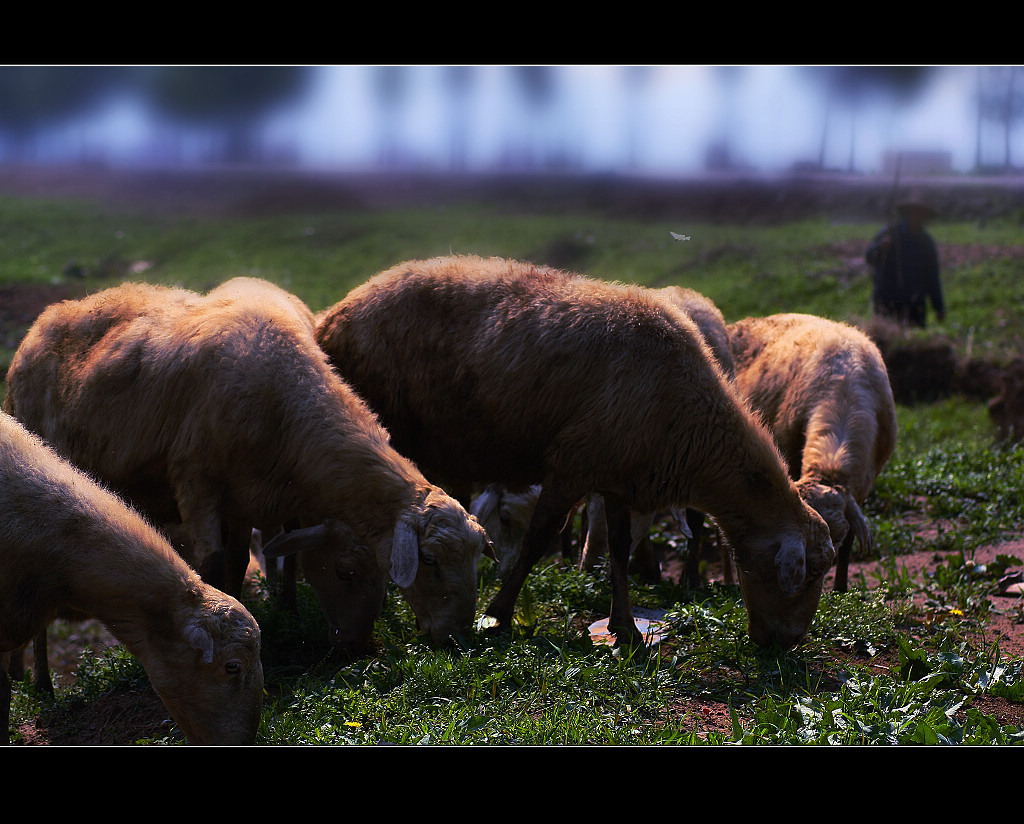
point(889, 662)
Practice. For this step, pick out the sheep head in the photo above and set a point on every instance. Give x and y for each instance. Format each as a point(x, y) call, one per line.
point(208, 673)
point(781, 579)
point(433, 560)
point(839, 509)
point(505, 516)
point(345, 577)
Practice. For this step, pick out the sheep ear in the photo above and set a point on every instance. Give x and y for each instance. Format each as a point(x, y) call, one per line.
point(199, 638)
point(405, 555)
point(288, 543)
point(485, 504)
point(791, 564)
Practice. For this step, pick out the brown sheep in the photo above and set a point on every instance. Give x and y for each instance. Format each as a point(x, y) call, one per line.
point(824, 393)
point(67, 544)
point(222, 410)
point(488, 370)
point(711, 323)
point(506, 514)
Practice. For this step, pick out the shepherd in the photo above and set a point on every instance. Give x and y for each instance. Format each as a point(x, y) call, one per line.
point(906, 267)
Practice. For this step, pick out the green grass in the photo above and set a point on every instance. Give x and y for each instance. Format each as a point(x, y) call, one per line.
point(545, 683)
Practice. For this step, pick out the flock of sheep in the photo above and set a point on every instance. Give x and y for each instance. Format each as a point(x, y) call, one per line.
point(148, 431)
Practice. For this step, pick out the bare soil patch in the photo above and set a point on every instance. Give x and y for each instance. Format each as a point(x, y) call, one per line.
point(1003, 627)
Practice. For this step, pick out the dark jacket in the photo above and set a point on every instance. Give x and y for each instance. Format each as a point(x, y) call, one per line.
point(906, 273)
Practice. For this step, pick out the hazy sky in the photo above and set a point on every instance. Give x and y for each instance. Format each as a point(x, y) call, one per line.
point(775, 117)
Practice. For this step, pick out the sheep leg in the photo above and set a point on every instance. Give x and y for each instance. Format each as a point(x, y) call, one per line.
point(596, 530)
point(237, 538)
point(16, 666)
point(41, 662)
point(551, 512)
point(695, 523)
point(843, 563)
point(289, 584)
point(201, 518)
point(5, 701)
point(620, 620)
point(287, 589)
point(643, 560)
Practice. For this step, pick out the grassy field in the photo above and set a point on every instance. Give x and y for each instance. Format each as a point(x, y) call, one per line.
point(895, 660)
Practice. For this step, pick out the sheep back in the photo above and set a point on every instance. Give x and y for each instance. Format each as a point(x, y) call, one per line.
point(474, 365)
point(824, 392)
point(709, 320)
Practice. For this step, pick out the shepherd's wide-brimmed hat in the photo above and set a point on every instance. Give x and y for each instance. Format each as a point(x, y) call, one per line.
point(916, 200)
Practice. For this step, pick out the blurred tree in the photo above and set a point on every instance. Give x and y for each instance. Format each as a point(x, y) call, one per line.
point(36, 98)
point(852, 85)
point(1000, 98)
point(635, 78)
point(458, 82)
point(390, 87)
point(231, 100)
point(720, 152)
point(538, 85)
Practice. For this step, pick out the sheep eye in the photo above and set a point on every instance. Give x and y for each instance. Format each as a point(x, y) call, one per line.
point(427, 559)
point(233, 667)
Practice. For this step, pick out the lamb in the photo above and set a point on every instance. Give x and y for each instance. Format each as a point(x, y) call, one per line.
point(824, 393)
point(497, 371)
point(221, 410)
point(66, 543)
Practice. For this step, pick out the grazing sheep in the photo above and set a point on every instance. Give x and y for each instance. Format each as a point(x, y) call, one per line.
point(220, 411)
point(516, 508)
point(495, 371)
point(823, 391)
point(68, 544)
point(505, 516)
point(711, 323)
